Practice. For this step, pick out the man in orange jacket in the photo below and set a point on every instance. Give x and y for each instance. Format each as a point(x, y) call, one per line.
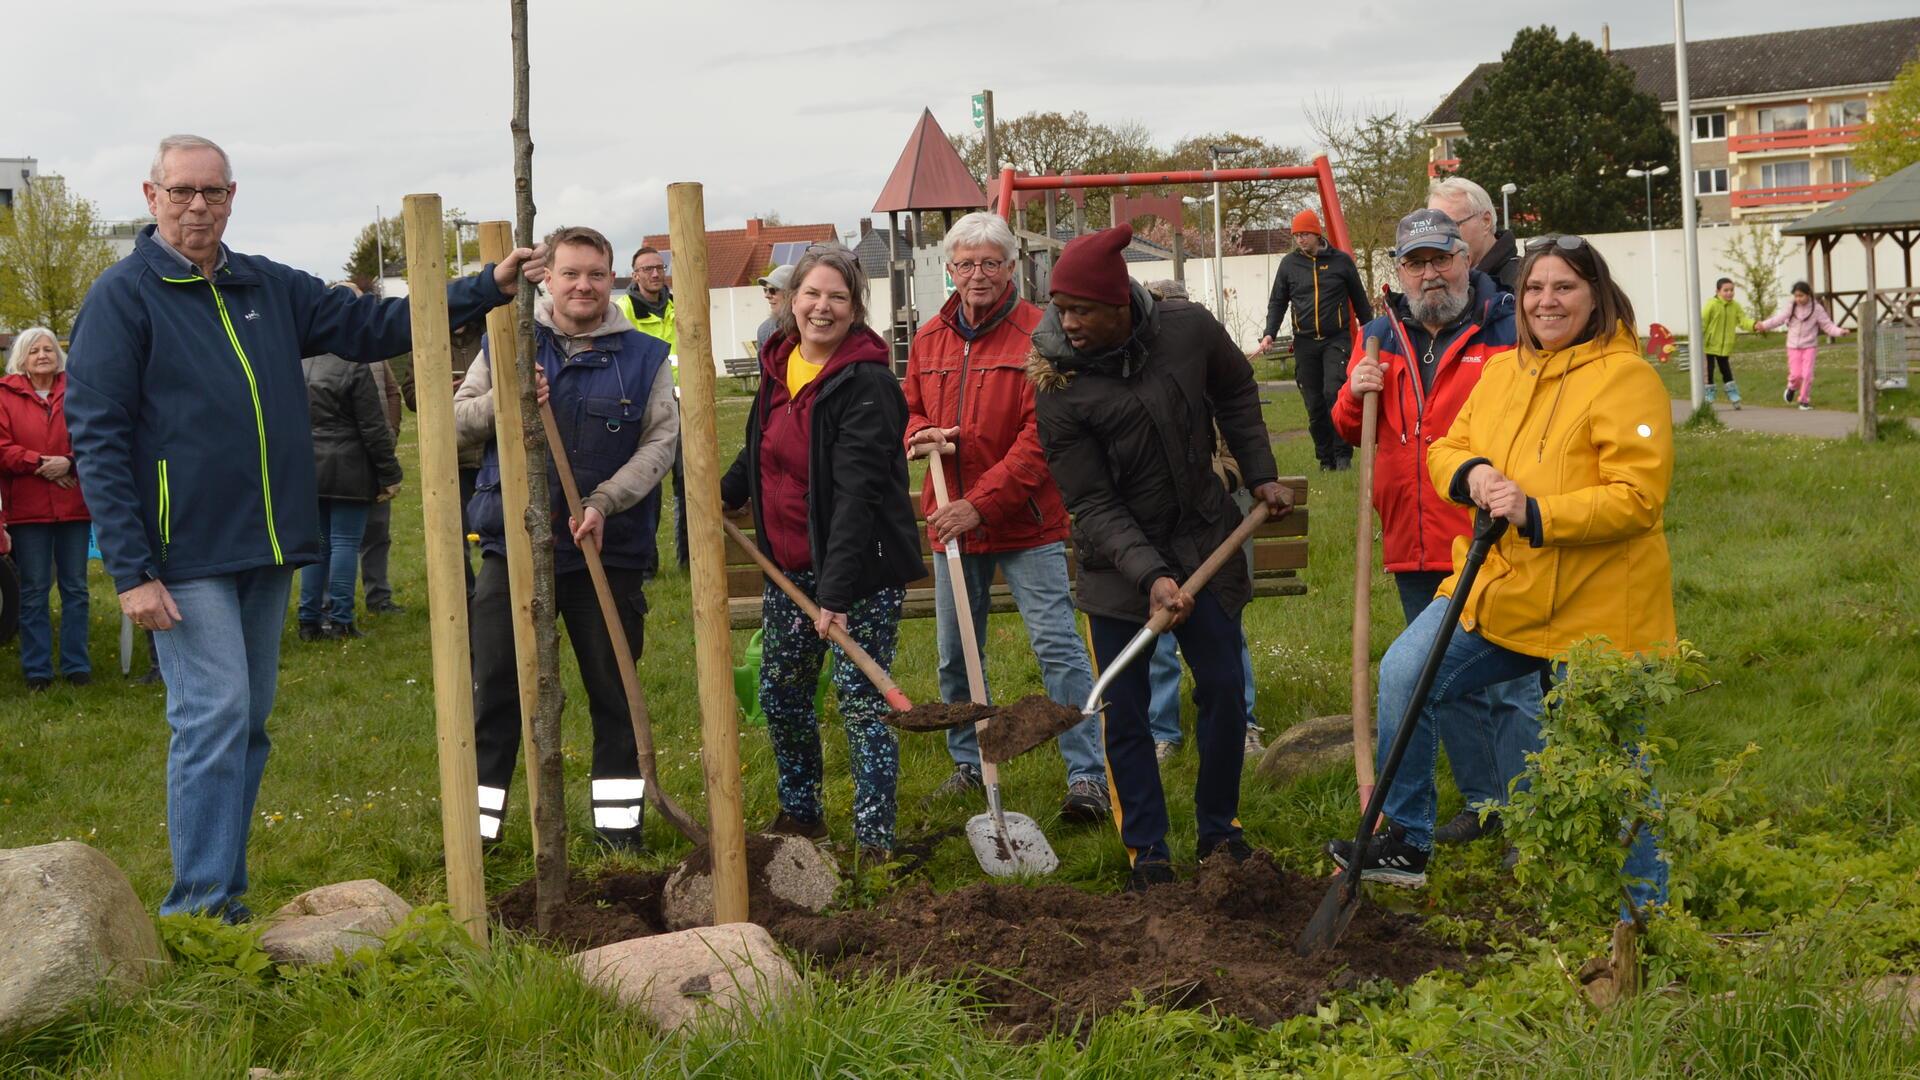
point(966, 385)
point(1320, 285)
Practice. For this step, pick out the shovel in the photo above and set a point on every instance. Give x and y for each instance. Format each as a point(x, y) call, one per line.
point(1337, 908)
point(1005, 843)
point(622, 649)
point(1157, 625)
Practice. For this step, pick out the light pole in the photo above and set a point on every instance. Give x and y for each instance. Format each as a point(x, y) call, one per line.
point(1214, 154)
point(1653, 249)
point(1214, 270)
point(1506, 212)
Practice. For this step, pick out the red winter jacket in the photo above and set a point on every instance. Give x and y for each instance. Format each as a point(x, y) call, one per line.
point(981, 386)
point(1418, 524)
point(30, 427)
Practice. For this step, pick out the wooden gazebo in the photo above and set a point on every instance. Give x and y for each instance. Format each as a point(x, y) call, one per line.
point(1889, 209)
point(928, 176)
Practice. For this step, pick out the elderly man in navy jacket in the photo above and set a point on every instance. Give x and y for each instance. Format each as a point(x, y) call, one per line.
point(189, 419)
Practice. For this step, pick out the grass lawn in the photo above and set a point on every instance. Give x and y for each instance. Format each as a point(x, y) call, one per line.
point(1792, 571)
point(1760, 368)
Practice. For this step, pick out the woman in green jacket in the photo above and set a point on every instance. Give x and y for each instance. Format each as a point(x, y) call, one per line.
point(1719, 321)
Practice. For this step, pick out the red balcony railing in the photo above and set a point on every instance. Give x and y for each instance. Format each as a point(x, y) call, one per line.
point(1806, 193)
point(1793, 140)
point(1443, 166)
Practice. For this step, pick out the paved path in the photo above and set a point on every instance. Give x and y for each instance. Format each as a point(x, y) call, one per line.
point(1814, 423)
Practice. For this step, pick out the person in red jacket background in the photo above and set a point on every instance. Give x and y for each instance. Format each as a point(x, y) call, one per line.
point(1434, 339)
point(967, 386)
point(40, 492)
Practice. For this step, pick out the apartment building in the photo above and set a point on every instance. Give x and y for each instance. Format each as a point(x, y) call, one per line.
point(15, 175)
point(1774, 116)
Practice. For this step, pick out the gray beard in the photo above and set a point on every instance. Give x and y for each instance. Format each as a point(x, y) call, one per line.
point(1438, 308)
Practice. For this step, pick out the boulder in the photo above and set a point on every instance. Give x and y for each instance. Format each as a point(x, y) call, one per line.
point(1310, 746)
point(332, 919)
point(70, 926)
point(729, 970)
point(780, 870)
point(1903, 990)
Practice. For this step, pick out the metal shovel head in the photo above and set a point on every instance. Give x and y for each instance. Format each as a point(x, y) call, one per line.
point(1329, 924)
point(1025, 850)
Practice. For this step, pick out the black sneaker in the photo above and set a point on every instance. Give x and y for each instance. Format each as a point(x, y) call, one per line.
point(1235, 848)
point(151, 678)
point(311, 631)
point(964, 781)
point(1086, 802)
point(1786, 396)
point(1148, 874)
point(1390, 859)
point(1466, 827)
point(385, 607)
point(80, 678)
point(786, 824)
point(37, 685)
point(334, 631)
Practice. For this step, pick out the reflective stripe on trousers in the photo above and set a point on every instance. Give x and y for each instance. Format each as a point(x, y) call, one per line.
point(617, 803)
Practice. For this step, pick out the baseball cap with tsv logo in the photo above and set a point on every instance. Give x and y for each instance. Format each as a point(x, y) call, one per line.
point(1425, 229)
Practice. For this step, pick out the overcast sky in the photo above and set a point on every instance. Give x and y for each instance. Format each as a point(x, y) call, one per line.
point(331, 108)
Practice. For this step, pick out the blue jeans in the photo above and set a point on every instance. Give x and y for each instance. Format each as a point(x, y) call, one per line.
point(1211, 641)
point(1488, 740)
point(221, 662)
point(342, 523)
point(1037, 577)
point(48, 554)
point(1163, 681)
point(1471, 663)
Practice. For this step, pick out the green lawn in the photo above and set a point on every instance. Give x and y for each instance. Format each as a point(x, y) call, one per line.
point(1792, 572)
point(1760, 368)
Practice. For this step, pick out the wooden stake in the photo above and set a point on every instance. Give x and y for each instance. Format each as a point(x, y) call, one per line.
point(509, 432)
point(713, 636)
point(446, 580)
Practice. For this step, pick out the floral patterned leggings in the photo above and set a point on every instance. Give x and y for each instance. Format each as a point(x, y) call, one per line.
point(790, 656)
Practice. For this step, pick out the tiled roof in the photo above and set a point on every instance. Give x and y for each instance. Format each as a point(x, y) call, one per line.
point(929, 174)
point(737, 257)
point(1784, 62)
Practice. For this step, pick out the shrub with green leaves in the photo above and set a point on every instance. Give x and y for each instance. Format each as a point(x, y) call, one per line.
point(1589, 790)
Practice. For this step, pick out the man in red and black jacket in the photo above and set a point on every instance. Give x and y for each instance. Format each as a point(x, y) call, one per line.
point(967, 386)
point(1434, 339)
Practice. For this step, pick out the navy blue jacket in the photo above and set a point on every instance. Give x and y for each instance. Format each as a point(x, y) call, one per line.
point(599, 401)
point(186, 401)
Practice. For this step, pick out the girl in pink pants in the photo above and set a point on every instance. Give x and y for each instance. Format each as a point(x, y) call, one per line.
point(1805, 321)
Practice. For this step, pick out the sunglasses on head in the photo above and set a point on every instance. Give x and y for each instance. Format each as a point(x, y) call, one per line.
point(1565, 242)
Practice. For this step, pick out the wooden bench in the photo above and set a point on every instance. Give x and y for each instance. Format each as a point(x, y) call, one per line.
point(1279, 553)
point(747, 370)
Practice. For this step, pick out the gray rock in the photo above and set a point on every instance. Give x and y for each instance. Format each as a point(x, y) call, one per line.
point(332, 919)
point(70, 926)
point(792, 868)
point(1310, 746)
point(733, 970)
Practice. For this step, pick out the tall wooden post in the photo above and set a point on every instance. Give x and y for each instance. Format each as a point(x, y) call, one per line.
point(712, 633)
point(509, 433)
point(1869, 335)
point(446, 578)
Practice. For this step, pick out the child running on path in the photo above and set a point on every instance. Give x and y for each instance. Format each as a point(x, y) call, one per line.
point(1720, 320)
point(1805, 321)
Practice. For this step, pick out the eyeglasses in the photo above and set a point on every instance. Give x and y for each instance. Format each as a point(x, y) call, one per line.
point(984, 266)
point(183, 195)
point(657, 269)
point(1439, 263)
point(1566, 242)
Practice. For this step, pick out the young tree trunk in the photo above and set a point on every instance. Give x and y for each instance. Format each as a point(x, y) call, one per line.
point(550, 871)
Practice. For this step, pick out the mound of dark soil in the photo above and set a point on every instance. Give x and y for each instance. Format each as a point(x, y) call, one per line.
point(1051, 955)
point(612, 908)
point(937, 716)
point(1025, 724)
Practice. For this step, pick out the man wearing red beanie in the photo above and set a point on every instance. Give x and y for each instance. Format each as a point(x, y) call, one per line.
point(1128, 391)
point(1319, 282)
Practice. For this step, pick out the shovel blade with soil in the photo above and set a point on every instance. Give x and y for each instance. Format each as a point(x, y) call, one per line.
point(1015, 846)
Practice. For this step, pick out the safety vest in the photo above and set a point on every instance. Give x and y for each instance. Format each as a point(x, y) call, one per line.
point(660, 326)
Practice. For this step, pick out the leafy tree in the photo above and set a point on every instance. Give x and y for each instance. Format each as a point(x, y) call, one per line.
point(1380, 171)
point(1753, 262)
point(362, 265)
point(1891, 140)
point(1565, 123)
point(50, 254)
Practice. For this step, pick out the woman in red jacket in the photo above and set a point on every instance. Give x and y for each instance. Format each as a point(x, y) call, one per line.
point(45, 513)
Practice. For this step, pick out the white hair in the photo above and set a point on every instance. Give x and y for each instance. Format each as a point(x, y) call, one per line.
point(978, 229)
point(1465, 190)
point(188, 142)
point(17, 358)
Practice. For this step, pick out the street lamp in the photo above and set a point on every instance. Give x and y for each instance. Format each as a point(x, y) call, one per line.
point(1653, 250)
point(1506, 212)
point(1214, 154)
point(1190, 200)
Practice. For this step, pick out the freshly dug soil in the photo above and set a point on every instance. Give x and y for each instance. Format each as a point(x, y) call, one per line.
point(1050, 956)
point(1025, 724)
point(937, 716)
point(596, 913)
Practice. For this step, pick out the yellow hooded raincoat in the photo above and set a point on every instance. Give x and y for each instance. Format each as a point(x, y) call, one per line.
point(1587, 432)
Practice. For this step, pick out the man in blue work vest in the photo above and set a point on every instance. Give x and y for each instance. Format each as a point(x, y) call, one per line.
point(611, 390)
point(188, 411)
